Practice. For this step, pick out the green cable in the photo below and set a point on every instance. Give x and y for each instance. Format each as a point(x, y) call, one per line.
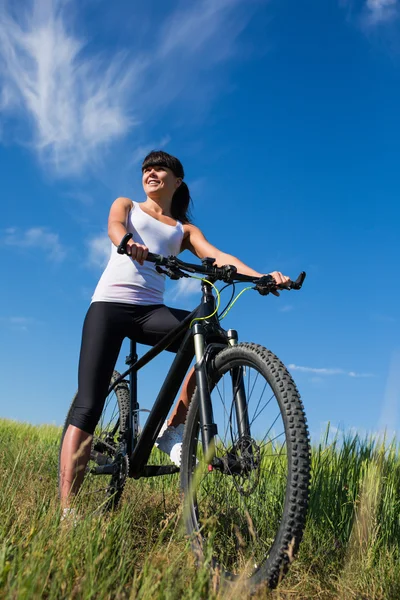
point(218, 301)
point(233, 301)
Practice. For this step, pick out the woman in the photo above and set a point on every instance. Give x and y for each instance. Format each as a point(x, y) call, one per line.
point(128, 302)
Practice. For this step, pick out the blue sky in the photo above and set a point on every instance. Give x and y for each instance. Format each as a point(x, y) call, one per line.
point(285, 116)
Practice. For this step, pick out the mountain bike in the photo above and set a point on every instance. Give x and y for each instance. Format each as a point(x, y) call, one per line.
point(245, 464)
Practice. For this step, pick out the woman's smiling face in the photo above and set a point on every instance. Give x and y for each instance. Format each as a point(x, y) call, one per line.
point(159, 181)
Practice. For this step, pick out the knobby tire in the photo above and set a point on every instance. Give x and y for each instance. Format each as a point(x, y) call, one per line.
point(284, 463)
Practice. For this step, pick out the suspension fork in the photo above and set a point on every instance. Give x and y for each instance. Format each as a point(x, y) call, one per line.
point(133, 402)
point(207, 425)
point(239, 393)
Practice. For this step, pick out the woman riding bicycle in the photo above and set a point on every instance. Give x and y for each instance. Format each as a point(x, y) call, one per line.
point(128, 302)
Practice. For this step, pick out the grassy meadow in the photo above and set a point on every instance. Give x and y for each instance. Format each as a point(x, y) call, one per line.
point(350, 550)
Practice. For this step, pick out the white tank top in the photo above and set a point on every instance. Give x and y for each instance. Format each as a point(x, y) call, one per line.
point(125, 280)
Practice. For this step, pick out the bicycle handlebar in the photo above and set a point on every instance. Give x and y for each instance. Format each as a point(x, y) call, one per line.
point(175, 269)
point(228, 273)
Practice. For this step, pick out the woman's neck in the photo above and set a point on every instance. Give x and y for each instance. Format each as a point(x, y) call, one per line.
point(160, 205)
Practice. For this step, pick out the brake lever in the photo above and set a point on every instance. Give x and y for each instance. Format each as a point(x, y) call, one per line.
point(173, 274)
point(265, 285)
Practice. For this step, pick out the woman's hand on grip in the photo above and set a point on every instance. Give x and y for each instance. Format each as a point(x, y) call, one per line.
point(281, 280)
point(136, 251)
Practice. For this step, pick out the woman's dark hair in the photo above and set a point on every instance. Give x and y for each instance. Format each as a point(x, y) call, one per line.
point(181, 199)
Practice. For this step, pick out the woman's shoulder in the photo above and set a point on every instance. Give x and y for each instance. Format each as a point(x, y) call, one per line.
point(124, 201)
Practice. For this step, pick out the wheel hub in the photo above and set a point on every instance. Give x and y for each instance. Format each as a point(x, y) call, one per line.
point(242, 459)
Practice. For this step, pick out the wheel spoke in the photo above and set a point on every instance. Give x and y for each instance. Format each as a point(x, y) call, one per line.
point(263, 408)
point(270, 441)
point(273, 423)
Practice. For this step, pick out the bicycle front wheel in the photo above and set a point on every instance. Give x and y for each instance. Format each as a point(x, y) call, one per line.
point(250, 504)
point(103, 491)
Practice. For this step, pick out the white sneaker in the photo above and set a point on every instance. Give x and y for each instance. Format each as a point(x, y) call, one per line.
point(69, 516)
point(169, 440)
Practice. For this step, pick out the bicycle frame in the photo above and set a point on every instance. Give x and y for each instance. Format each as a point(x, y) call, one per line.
point(196, 342)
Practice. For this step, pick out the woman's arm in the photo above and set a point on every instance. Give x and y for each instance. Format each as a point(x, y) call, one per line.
point(117, 220)
point(195, 241)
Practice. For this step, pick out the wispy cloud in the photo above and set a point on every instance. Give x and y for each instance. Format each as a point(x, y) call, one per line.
point(99, 249)
point(83, 198)
point(196, 28)
point(78, 103)
point(36, 237)
point(286, 308)
point(380, 11)
point(194, 39)
point(17, 323)
point(184, 288)
point(141, 151)
point(381, 318)
point(327, 371)
point(371, 13)
point(320, 371)
point(354, 374)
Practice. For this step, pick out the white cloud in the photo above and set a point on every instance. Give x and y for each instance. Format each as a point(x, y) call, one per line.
point(83, 198)
point(286, 308)
point(197, 28)
point(195, 38)
point(99, 249)
point(353, 374)
point(17, 323)
point(198, 187)
point(327, 371)
point(183, 288)
point(17, 320)
point(380, 11)
point(320, 371)
point(382, 318)
point(372, 12)
point(142, 151)
point(78, 103)
point(75, 103)
point(36, 237)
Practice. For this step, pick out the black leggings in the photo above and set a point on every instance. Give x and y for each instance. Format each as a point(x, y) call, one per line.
point(105, 327)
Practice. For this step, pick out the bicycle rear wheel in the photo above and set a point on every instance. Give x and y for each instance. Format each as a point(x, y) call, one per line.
point(252, 507)
point(103, 492)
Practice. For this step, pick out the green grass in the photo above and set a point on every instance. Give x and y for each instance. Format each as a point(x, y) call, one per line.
point(350, 549)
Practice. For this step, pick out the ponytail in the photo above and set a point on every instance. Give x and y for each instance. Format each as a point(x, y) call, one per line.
point(180, 204)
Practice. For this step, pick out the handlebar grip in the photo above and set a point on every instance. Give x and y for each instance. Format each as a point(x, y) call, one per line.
point(296, 285)
point(155, 258)
point(121, 249)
